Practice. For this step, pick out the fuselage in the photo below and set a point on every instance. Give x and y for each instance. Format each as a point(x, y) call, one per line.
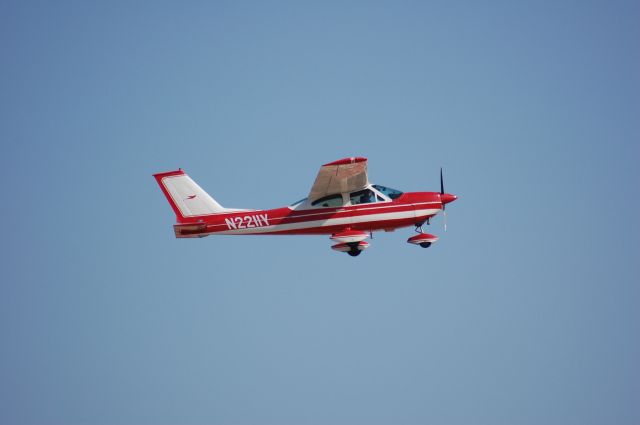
point(408, 209)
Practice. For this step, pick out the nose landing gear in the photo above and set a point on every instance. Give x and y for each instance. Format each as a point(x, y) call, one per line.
point(423, 239)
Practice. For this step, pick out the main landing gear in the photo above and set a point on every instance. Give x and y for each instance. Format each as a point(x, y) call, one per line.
point(353, 251)
point(350, 241)
point(352, 248)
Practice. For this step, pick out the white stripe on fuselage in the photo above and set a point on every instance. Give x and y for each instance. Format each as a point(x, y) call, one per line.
point(331, 222)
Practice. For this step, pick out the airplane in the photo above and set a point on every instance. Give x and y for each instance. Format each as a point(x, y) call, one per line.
point(342, 203)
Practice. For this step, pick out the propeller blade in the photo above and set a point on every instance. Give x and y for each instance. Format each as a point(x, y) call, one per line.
point(442, 189)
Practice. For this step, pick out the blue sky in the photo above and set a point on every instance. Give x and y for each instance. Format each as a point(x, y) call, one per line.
point(525, 312)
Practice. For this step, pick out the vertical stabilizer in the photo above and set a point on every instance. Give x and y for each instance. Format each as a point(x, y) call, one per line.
point(187, 199)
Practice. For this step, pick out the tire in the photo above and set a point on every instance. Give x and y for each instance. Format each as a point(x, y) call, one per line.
point(425, 244)
point(354, 252)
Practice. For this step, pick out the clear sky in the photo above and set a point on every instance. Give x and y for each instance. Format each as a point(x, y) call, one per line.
point(525, 312)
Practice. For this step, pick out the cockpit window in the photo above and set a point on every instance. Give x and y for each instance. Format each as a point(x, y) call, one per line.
point(391, 193)
point(328, 201)
point(362, 197)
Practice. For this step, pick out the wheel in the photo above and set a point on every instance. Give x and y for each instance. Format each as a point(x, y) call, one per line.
point(425, 244)
point(354, 252)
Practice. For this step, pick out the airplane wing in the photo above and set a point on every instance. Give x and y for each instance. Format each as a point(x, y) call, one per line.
point(344, 175)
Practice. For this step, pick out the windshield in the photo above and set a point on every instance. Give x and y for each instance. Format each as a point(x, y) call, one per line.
point(295, 204)
point(391, 193)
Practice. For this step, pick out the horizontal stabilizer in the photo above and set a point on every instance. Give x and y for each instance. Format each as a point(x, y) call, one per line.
point(196, 230)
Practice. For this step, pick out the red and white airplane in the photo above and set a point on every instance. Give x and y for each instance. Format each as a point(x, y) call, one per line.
point(342, 203)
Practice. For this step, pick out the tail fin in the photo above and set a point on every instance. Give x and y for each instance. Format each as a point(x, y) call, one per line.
point(187, 199)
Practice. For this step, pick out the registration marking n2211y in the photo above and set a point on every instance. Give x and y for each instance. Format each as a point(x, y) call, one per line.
point(247, 222)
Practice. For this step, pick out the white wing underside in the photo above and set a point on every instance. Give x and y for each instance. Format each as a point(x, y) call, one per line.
point(340, 177)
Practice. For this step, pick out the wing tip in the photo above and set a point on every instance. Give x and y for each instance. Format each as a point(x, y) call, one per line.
point(344, 161)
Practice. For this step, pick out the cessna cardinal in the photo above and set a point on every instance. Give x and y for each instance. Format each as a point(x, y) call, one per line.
point(342, 203)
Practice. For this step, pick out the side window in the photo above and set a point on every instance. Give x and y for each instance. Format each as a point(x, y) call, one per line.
point(328, 201)
point(362, 197)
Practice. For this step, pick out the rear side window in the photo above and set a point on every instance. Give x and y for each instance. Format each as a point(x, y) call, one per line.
point(328, 201)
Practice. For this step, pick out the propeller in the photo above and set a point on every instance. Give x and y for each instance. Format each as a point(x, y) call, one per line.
point(444, 211)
